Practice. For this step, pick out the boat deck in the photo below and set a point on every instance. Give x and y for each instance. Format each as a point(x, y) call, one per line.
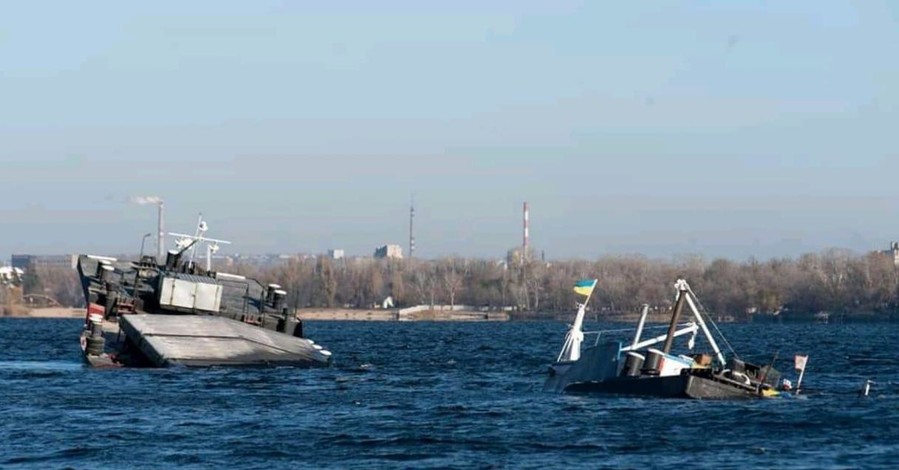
point(198, 341)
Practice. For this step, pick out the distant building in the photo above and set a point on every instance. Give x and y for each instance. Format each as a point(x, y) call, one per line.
point(265, 260)
point(335, 254)
point(30, 262)
point(894, 252)
point(517, 255)
point(389, 251)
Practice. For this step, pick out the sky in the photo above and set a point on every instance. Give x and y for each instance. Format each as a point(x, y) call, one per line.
point(725, 129)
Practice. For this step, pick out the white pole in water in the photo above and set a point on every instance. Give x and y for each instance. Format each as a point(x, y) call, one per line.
point(640, 325)
point(582, 311)
point(571, 350)
point(579, 323)
point(801, 373)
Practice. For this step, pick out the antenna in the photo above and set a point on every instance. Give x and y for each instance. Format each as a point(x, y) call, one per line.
point(211, 249)
point(412, 227)
point(526, 235)
point(160, 239)
point(201, 228)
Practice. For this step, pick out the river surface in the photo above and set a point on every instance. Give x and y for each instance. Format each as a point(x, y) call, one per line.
point(438, 395)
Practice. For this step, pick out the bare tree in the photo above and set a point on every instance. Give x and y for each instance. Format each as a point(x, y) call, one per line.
point(327, 281)
point(425, 285)
point(453, 274)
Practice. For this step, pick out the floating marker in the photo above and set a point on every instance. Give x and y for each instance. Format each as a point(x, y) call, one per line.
point(867, 388)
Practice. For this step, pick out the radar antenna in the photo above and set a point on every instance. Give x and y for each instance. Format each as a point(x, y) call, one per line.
point(191, 241)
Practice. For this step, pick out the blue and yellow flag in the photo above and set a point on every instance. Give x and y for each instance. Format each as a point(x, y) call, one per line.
point(585, 287)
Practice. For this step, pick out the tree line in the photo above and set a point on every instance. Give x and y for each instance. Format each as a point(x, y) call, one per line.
point(835, 281)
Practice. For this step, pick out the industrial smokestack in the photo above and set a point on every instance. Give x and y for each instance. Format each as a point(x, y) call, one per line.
point(145, 200)
point(524, 245)
point(160, 238)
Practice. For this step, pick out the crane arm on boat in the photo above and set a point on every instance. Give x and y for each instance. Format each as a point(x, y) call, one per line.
point(690, 328)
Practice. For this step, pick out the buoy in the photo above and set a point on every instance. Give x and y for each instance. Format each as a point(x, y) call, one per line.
point(866, 389)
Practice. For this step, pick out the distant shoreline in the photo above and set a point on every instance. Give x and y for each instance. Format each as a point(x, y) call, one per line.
point(395, 315)
point(312, 314)
point(49, 312)
point(349, 314)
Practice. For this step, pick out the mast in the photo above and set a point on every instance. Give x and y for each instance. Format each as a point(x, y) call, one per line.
point(640, 325)
point(160, 238)
point(571, 349)
point(411, 228)
point(190, 242)
point(675, 316)
point(198, 235)
point(526, 233)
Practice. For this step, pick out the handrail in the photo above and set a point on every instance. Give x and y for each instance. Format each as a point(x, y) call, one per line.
point(599, 333)
point(622, 330)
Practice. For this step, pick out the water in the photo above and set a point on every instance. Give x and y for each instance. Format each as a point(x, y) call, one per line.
point(418, 395)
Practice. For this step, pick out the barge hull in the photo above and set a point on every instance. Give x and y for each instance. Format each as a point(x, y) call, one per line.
point(676, 386)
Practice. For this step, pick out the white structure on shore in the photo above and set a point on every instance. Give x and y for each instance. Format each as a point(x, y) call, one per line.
point(10, 275)
point(389, 251)
point(894, 252)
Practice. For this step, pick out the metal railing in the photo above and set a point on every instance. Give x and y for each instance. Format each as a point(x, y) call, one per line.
point(600, 333)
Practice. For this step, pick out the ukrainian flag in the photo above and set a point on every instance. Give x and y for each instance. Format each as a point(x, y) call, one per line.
point(585, 287)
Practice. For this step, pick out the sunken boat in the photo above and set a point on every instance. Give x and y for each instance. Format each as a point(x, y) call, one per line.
point(649, 367)
point(176, 313)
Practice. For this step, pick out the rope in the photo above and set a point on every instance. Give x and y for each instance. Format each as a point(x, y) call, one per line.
point(703, 311)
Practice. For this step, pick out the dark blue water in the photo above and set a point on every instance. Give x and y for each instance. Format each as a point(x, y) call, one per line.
point(414, 395)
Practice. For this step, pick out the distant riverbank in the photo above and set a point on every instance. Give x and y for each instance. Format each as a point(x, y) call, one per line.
point(398, 315)
point(49, 312)
point(383, 315)
point(311, 314)
point(349, 314)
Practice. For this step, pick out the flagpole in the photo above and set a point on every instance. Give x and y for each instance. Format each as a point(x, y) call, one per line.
point(571, 348)
point(580, 324)
point(801, 373)
point(589, 295)
point(587, 300)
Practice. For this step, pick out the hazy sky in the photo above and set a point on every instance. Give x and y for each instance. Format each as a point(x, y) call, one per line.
point(723, 128)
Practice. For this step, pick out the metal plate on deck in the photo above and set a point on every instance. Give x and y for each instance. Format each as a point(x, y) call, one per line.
point(193, 340)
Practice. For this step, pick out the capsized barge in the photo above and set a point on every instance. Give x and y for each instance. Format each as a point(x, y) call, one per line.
point(639, 369)
point(145, 314)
